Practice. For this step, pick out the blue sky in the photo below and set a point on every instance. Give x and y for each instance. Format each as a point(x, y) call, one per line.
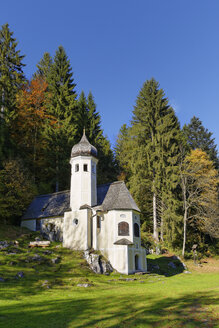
point(115, 46)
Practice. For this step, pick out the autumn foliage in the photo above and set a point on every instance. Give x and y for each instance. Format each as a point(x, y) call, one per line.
point(200, 198)
point(30, 121)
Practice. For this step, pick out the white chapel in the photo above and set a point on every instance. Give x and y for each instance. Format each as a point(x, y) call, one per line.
point(104, 218)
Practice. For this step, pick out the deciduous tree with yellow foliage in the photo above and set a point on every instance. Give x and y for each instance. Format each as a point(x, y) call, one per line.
point(199, 186)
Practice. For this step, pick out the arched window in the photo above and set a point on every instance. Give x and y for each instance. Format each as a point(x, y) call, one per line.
point(123, 229)
point(136, 230)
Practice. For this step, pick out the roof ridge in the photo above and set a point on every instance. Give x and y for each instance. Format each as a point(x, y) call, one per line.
point(53, 193)
point(110, 183)
point(66, 191)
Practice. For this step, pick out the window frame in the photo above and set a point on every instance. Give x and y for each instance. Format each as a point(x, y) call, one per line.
point(123, 228)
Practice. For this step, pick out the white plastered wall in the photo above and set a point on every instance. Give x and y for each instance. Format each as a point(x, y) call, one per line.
point(122, 257)
point(75, 235)
point(83, 183)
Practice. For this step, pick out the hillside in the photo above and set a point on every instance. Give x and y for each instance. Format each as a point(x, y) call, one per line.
point(39, 288)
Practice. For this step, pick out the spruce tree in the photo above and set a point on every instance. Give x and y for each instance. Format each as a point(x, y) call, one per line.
point(11, 80)
point(94, 120)
point(152, 145)
point(82, 117)
point(199, 137)
point(44, 66)
point(62, 105)
point(90, 119)
point(11, 72)
point(122, 152)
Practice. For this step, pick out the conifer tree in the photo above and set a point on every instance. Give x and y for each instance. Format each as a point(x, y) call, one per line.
point(199, 137)
point(94, 120)
point(90, 119)
point(123, 152)
point(82, 116)
point(152, 145)
point(62, 105)
point(11, 80)
point(11, 71)
point(44, 66)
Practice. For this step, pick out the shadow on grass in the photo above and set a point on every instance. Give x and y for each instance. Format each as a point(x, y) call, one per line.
point(115, 311)
point(166, 266)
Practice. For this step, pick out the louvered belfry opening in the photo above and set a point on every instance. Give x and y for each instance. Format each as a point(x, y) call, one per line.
point(136, 230)
point(123, 229)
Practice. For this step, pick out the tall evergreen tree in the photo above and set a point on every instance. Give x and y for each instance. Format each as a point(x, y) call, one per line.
point(44, 66)
point(82, 116)
point(123, 152)
point(62, 105)
point(94, 120)
point(11, 80)
point(90, 119)
point(199, 137)
point(153, 151)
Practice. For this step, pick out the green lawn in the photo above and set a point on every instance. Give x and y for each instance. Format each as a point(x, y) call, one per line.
point(180, 300)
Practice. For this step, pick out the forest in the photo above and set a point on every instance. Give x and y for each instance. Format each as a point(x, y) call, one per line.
point(172, 172)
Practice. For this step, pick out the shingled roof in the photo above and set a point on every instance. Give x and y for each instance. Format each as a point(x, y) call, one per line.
point(115, 196)
point(111, 196)
point(83, 148)
point(50, 205)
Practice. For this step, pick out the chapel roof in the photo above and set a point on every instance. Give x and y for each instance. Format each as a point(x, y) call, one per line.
point(83, 148)
point(111, 196)
point(51, 205)
point(115, 196)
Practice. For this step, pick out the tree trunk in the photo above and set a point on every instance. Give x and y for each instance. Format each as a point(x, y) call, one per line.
point(57, 173)
point(34, 155)
point(185, 215)
point(155, 234)
point(2, 106)
point(162, 221)
point(184, 232)
point(161, 228)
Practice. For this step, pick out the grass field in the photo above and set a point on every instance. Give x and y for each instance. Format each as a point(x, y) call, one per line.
point(48, 296)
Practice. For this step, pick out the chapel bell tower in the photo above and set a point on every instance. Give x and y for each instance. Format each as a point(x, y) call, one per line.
point(83, 174)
